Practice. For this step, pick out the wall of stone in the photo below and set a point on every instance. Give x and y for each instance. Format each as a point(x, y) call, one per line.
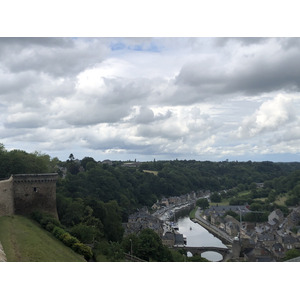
point(34, 192)
point(6, 197)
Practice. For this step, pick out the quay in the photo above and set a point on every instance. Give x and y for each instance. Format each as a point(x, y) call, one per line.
point(221, 235)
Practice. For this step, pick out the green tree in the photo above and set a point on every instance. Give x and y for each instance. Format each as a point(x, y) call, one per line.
point(292, 253)
point(215, 197)
point(202, 203)
point(150, 247)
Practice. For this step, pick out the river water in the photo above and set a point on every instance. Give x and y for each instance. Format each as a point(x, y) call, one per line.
point(198, 236)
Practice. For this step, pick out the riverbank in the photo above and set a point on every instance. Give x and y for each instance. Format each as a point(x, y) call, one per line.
point(223, 236)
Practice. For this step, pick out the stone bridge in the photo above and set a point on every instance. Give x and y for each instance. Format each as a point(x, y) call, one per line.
point(225, 252)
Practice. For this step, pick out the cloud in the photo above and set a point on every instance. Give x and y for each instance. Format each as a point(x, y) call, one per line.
point(270, 116)
point(25, 120)
point(189, 97)
point(249, 70)
point(56, 57)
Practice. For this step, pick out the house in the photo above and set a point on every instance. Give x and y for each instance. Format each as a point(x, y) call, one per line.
point(258, 254)
point(232, 226)
point(222, 209)
point(278, 250)
point(164, 202)
point(293, 218)
point(155, 206)
point(267, 239)
point(168, 239)
point(174, 238)
point(275, 217)
point(248, 227)
point(142, 220)
point(289, 242)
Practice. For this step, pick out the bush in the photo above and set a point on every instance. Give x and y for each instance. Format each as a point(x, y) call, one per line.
point(82, 249)
point(58, 232)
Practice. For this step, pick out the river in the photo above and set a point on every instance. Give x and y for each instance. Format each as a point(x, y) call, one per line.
point(198, 236)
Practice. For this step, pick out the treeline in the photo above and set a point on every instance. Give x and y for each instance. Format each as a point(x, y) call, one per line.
point(21, 162)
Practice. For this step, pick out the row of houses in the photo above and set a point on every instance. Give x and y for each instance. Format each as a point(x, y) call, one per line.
point(179, 200)
point(265, 241)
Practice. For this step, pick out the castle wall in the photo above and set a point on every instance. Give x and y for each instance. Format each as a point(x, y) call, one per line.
point(6, 197)
point(34, 192)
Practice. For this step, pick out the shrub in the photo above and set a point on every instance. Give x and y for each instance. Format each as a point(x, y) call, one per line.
point(58, 232)
point(82, 249)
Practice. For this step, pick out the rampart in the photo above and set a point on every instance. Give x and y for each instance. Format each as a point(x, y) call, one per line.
point(24, 193)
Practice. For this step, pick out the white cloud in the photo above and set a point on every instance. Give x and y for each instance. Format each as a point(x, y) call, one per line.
point(270, 116)
point(186, 97)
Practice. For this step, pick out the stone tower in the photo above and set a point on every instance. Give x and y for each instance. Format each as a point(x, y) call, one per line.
point(24, 193)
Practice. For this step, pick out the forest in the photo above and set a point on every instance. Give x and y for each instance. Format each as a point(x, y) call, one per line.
point(95, 198)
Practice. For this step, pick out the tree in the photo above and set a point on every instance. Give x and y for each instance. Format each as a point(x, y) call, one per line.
point(215, 197)
point(203, 203)
point(293, 253)
point(150, 247)
point(272, 196)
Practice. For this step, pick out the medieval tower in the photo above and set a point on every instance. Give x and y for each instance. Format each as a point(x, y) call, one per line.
point(23, 194)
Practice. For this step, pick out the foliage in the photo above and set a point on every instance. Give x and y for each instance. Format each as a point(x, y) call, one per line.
point(51, 224)
point(147, 246)
point(202, 203)
point(215, 197)
point(290, 254)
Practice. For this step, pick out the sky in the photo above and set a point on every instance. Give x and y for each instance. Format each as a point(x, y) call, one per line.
point(152, 98)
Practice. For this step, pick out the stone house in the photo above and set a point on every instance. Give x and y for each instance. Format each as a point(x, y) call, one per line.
point(168, 239)
point(259, 254)
point(171, 239)
point(155, 206)
point(232, 226)
point(278, 250)
point(293, 219)
point(267, 239)
point(275, 217)
point(164, 202)
point(289, 242)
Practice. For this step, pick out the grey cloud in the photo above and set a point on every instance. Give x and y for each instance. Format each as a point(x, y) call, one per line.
point(223, 41)
point(91, 114)
point(12, 83)
point(58, 57)
point(145, 115)
point(251, 75)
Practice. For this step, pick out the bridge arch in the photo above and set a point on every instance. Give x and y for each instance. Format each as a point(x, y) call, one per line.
point(224, 252)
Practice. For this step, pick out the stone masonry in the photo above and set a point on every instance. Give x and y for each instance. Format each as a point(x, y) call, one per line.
point(24, 193)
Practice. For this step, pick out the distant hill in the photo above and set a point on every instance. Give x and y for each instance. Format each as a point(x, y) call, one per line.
point(23, 240)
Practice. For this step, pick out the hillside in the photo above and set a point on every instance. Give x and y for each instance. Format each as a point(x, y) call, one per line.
point(23, 240)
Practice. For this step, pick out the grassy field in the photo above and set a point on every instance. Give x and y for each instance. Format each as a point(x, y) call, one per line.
point(23, 240)
point(152, 172)
point(280, 200)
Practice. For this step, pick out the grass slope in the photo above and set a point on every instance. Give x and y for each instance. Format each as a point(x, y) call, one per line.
point(23, 240)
